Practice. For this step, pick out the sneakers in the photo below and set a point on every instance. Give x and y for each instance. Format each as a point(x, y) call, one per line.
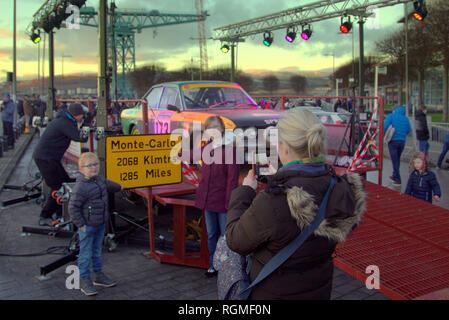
point(45, 221)
point(394, 181)
point(211, 272)
point(87, 287)
point(102, 281)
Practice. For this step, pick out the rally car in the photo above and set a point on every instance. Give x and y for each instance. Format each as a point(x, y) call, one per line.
point(177, 105)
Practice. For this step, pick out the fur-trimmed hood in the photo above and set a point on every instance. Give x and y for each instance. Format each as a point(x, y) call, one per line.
point(345, 207)
point(303, 210)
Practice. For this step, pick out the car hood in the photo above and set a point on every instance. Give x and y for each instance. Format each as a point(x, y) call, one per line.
point(249, 117)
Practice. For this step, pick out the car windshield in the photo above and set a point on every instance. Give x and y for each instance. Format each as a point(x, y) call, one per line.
point(200, 96)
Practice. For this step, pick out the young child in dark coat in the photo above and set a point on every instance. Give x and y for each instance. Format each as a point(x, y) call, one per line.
point(422, 182)
point(88, 211)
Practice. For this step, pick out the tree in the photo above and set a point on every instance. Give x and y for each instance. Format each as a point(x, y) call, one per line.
point(393, 50)
point(298, 83)
point(145, 77)
point(421, 52)
point(437, 22)
point(245, 80)
point(270, 83)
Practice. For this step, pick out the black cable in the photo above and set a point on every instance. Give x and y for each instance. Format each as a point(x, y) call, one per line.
point(50, 250)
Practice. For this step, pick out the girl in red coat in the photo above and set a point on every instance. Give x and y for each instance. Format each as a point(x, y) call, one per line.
point(217, 182)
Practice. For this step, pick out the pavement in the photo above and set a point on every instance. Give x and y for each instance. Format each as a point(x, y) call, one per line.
point(138, 277)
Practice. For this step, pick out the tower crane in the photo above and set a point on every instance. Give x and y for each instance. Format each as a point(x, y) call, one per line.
point(204, 64)
point(122, 27)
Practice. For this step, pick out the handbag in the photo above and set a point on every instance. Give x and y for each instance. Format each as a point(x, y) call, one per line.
point(233, 269)
point(389, 134)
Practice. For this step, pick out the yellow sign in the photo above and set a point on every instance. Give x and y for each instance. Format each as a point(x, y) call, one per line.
point(143, 160)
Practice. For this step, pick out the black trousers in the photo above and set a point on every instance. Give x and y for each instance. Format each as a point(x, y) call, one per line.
point(9, 132)
point(54, 176)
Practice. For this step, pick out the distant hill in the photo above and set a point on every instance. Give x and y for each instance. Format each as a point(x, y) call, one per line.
point(315, 80)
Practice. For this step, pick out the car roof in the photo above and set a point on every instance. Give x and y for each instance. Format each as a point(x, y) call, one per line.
point(181, 83)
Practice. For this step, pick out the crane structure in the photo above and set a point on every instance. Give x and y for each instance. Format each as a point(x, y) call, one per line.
point(204, 60)
point(122, 27)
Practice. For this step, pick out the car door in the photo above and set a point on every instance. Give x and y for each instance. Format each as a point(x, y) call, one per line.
point(153, 99)
point(168, 120)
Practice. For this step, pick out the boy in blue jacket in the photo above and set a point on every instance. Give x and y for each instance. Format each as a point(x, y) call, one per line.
point(422, 182)
point(402, 128)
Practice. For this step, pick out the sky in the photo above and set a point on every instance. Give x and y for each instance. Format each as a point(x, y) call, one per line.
point(172, 46)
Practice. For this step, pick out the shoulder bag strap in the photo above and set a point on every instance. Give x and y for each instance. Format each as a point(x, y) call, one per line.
point(287, 251)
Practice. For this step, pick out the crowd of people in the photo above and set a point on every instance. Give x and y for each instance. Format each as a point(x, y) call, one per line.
point(255, 222)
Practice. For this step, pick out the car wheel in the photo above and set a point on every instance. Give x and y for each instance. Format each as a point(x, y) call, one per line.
point(134, 130)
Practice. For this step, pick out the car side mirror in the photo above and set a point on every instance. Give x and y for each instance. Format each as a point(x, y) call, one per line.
point(173, 108)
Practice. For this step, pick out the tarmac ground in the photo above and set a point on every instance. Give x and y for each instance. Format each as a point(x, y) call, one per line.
point(138, 278)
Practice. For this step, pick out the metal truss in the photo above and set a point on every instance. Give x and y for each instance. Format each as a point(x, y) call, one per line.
point(306, 14)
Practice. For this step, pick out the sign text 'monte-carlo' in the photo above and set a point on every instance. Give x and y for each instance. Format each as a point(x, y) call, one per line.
point(135, 145)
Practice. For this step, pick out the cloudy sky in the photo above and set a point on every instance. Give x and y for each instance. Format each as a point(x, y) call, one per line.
point(172, 47)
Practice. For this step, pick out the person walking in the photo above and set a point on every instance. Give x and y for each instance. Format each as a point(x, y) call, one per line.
point(262, 224)
point(49, 152)
point(214, 190)
point(422, 130)
point(444, 151)
point(401, 125)
point(8, 108)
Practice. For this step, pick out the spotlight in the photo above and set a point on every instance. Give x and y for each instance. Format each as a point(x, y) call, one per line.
point(290, 36)
point(36, 37)
point(420, 10)
point(224, 48)
point(346, 26)
point(306, 32)
point(267, 38)
point(78, 3)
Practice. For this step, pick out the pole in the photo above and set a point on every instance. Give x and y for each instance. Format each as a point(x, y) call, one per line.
point(232, 62)
point(362, 60)
point(114, 50)
point(103, 85)
point(376, 84)
point(406, 59)
point(14, 72)
point(51, 77)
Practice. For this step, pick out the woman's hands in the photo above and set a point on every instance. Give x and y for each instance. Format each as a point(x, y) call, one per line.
point(250, 180)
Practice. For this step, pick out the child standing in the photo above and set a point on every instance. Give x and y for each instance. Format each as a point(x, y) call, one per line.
point(88, 211)
point(422, 182)
point(214, 191)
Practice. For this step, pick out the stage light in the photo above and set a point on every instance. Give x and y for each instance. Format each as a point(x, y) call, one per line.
point(224, 48)
point(36, 37)
point(420, 10)
point(291, 35)
point(346, 26)
point(306, 32)
point(267, 38)
point(78, 3)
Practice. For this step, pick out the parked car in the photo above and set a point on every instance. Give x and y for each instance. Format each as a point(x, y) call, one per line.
point(176, 105)
point(331, 117)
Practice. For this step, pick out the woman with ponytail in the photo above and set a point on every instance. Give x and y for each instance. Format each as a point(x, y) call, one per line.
point(261, 225)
